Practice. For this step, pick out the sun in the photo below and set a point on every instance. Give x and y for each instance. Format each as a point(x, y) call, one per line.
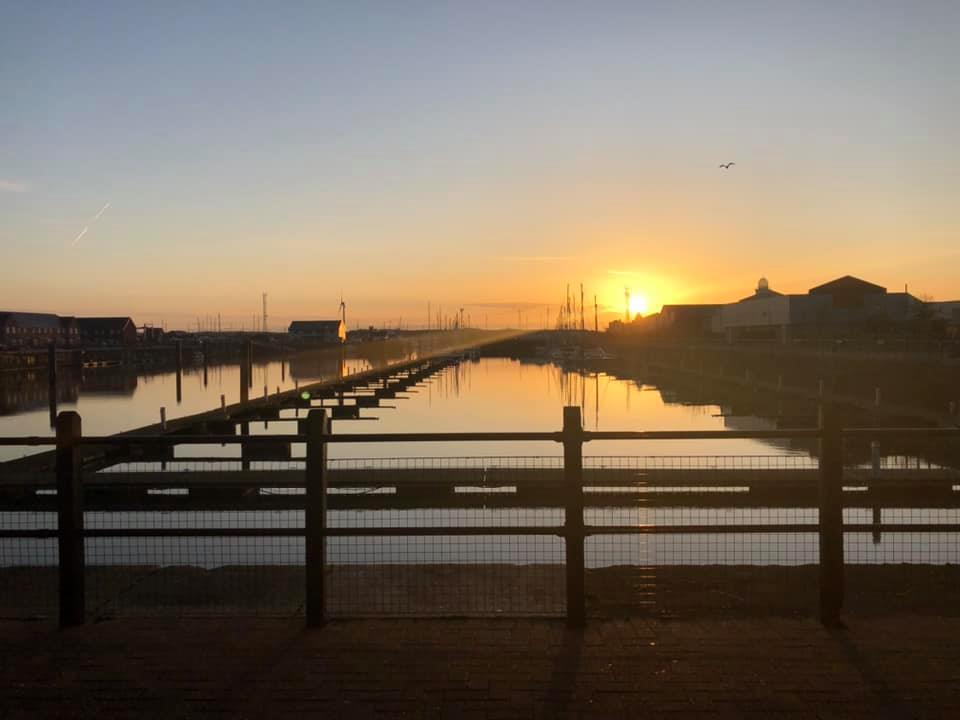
point(639, 305)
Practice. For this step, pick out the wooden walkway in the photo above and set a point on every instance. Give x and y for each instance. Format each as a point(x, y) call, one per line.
point(892, 667)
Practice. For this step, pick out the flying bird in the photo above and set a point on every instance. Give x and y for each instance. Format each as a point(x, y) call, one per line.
point(727, 166)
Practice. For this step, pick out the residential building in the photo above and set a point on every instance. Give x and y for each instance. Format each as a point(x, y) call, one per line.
point(107, 331)
point(152, 335)
point(31, 330)
point(322, 331)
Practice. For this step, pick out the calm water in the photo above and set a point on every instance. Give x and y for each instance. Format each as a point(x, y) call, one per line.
point(484, 395)
point(489, 394)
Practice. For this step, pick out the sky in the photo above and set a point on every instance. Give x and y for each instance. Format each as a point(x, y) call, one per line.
point(172, 160)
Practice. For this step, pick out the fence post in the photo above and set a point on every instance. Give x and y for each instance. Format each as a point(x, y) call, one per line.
point(831, 517)
point(875, 473)
point(573, 515)
point(315, 519)
point(70, 520)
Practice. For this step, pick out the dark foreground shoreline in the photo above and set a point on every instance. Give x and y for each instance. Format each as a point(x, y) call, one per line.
point(733, 591)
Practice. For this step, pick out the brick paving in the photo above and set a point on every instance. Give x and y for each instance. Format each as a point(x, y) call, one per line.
point(894, 667)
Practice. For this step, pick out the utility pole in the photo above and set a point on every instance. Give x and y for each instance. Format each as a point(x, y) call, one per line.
point(428, 315)
point(626, 312)
point(596, 317)
point(264, 312)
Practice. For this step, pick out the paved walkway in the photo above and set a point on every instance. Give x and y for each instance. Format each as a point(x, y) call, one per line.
point(901, 667)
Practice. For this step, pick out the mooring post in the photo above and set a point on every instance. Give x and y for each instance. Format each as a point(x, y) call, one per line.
point(315, 518)
point(244, 383)
point(876, 397)
point(223, 404)
point(573, 520)
point(70, 519)
point(831, 517)
point(179, 354)
point(52, 378)
point(163, 419)
point(249, 354)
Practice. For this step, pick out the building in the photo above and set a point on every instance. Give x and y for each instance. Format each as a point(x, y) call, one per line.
point(687, 320)
point(31, 330)
point(151, 335)
point(859, 306)
point(771, 315)
point(107, 331)
point(69, 331)
point(323, 331)
point(947, 313)
point(841, 308)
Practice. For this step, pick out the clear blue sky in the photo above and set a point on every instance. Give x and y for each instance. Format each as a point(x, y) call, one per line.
point(479, 154)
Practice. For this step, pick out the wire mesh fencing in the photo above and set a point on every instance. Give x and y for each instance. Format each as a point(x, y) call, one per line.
point(193, 533)
point(446, 575)
point(701, 535)
point(133, 567)
point(902, 510)
point(146, 563)
point(28, 565)
point(454, 553)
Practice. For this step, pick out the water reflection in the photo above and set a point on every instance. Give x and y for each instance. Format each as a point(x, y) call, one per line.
point(22, 392)
point(504, 394)
point(490, 393)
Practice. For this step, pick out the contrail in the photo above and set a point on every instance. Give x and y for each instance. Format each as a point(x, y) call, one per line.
point(77, 238)
point(92, 221)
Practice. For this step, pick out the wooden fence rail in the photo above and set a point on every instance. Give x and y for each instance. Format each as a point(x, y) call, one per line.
point(317, 436)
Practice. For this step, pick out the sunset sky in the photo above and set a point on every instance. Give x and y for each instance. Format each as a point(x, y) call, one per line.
point(172, 160)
